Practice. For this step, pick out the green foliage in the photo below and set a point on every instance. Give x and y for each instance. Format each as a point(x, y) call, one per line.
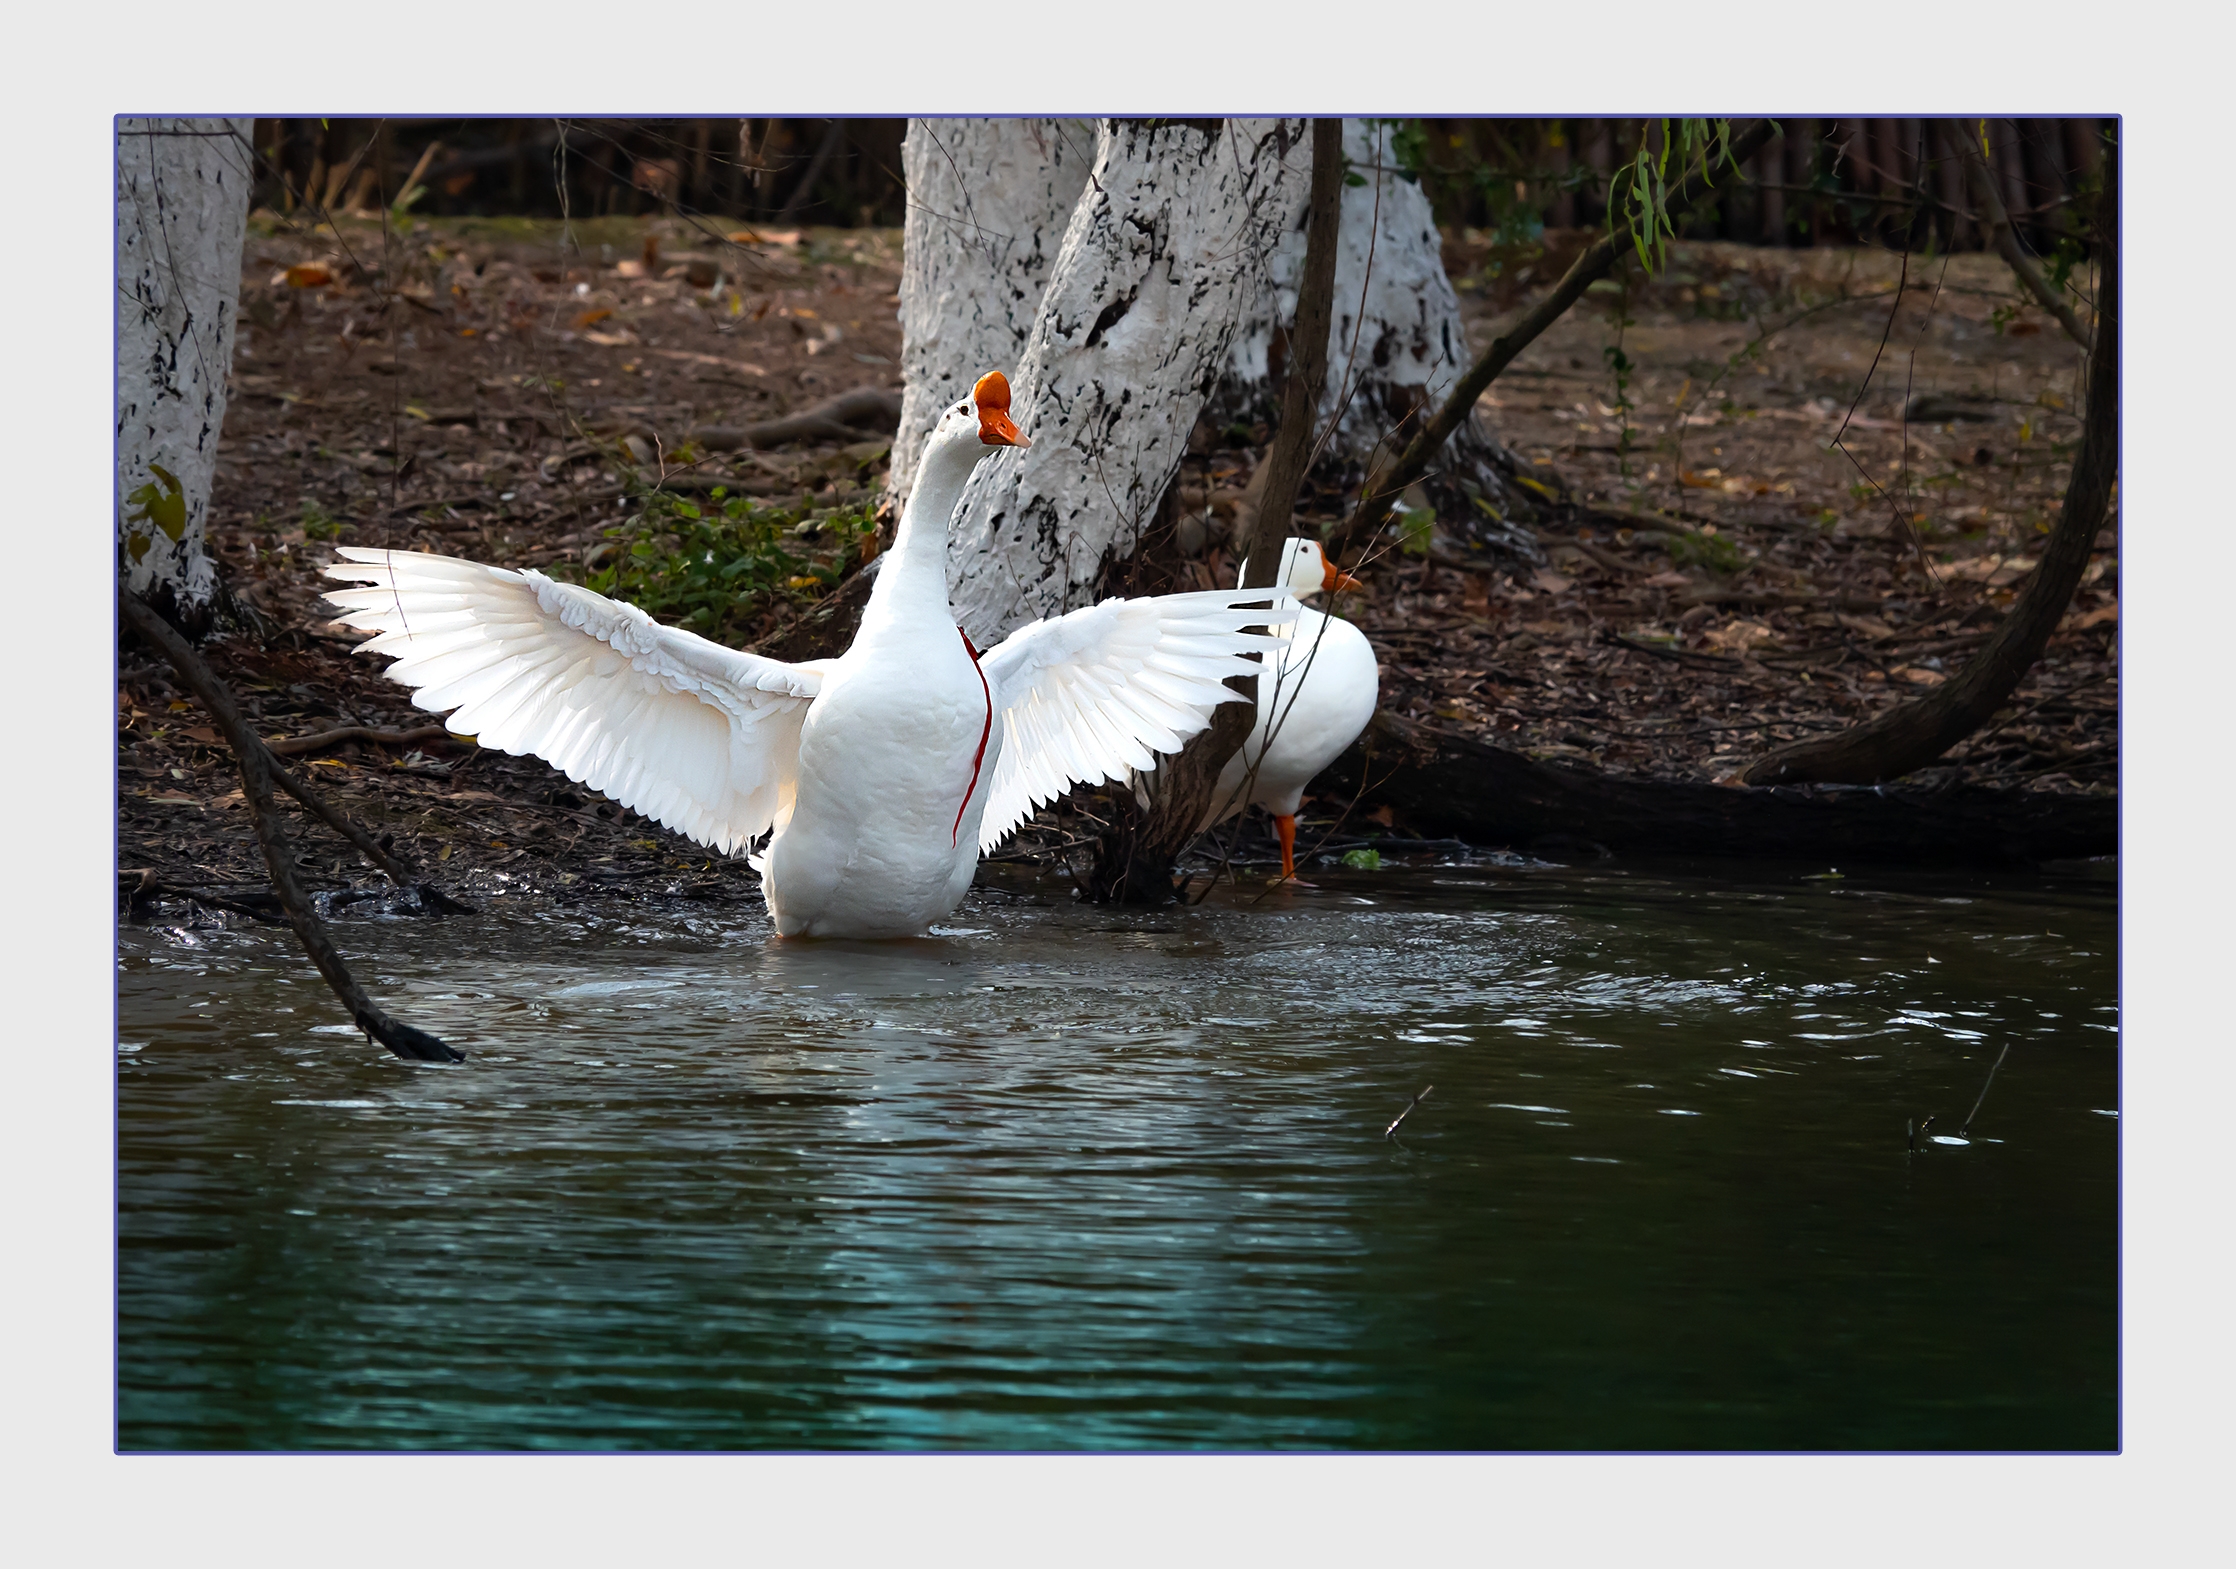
point(1619, 367)
point(1415, 529)
point(712, 570)
point(1712, 551)
point(1638, 193)
point(1363, 860)
point(318, 523)
point(160, 502)
point(1515, 192)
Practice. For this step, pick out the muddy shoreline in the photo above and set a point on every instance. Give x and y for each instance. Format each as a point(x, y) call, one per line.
point(499, 390)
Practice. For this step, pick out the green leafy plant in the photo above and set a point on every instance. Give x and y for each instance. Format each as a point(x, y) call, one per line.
point(1638, 192)
point(1713, 551)
point(318, 523)
point(1515, 191)
point(1416, 529)
point(1619, 367)
point(713, 569)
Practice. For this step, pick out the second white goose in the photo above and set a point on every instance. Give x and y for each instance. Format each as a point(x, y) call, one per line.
point(1315, 701)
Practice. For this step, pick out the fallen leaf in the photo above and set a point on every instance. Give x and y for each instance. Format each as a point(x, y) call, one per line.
point(1918, 675)
point(1736, 637)
point(609, 340)
point(1553, 582)
point(203, 734)
point(2087, 619)
point(1705, 479)
point(591, 318)
point(694, 357)
point(1869, 626)
point(309, 275)
point(763, 236)
point(1667, 580)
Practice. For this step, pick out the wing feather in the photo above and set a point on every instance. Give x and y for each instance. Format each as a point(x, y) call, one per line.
point(696, 736)
point(1087, 696)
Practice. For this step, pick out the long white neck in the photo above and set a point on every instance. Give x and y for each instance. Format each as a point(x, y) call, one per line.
point(913, 580)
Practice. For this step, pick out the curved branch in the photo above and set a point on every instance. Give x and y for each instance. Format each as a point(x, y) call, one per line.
point(2005, 238)
point(257, 772)
point(1385, 486)
point(1913, 734)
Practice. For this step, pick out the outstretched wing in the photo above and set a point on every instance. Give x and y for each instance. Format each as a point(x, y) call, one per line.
point(702, 738)
point(1089, 695)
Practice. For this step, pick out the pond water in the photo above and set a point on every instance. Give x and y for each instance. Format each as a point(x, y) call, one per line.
point(1065, 1177)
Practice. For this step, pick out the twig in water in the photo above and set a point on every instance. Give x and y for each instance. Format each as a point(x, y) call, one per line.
point(1976, 1105)
point(259, 772)
point(1391, 1130)
point(1918, 1130)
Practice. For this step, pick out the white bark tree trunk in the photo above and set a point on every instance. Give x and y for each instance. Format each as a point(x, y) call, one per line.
point(1162, 264)
point(988, 204)
point(1396, 342)
point(182, 195)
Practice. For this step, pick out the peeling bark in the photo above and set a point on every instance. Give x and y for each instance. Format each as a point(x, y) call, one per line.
point(1396, 345)
point(1134, 859)
point(988, 204)
point(1162, 264)
point(182, 197)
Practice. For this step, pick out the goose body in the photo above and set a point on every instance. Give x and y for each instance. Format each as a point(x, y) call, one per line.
point(880, 775)
point(1316, 701)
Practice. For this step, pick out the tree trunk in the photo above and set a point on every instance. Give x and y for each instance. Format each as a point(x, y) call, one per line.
point(182, 197)
point(1391, 476)
point(1441, 784)
point(1911, 735)
point(1160, 266)
point(1134, 858)
point(988, 204)
point(1396, 345)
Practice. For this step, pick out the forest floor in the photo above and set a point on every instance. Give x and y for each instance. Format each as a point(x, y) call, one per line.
point(1777, 549)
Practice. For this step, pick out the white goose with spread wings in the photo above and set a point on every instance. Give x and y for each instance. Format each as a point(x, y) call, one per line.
point(883, 773)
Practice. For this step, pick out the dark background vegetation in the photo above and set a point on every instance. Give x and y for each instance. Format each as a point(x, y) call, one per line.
point(1824, 182)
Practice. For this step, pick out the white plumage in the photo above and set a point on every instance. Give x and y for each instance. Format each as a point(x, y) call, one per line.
point(1318, 697)
point(883, 773)
point(1089, 696)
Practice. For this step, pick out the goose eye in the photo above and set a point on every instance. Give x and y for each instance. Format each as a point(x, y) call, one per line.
point(962, 408)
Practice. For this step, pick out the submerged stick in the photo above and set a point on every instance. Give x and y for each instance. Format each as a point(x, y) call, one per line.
point(1391, 1130)
point(1982, 1101)
point(257, 769)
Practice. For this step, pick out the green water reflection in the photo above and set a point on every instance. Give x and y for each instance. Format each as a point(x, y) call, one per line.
point(1064, 1178)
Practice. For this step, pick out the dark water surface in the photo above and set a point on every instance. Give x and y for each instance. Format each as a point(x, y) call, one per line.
point(1068, 1178)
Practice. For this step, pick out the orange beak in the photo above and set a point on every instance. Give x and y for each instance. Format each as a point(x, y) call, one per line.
point(1336, 580)
point(995, 427)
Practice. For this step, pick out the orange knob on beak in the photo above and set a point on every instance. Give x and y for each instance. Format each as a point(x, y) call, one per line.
point(995, 427)
point(1335, 580)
